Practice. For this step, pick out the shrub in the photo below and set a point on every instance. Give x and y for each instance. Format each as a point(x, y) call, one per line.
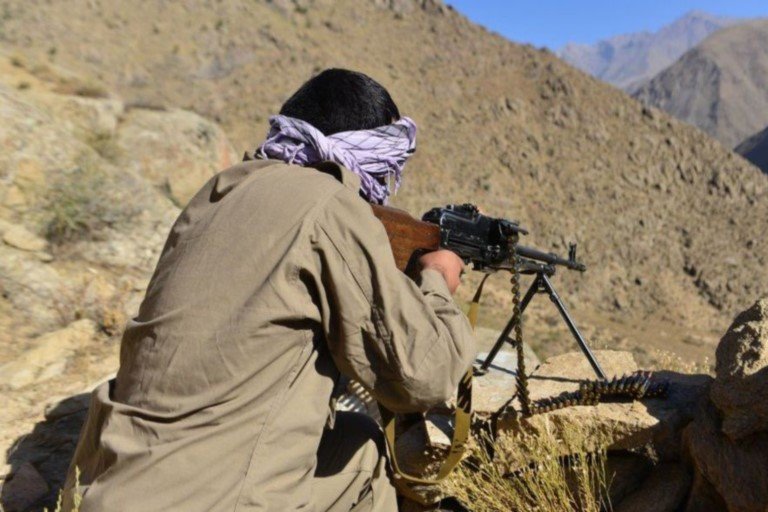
point(553, 483)
point(105, 145)
point(80, 203)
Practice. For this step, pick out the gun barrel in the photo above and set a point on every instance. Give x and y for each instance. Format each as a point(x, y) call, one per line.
point(549, 258)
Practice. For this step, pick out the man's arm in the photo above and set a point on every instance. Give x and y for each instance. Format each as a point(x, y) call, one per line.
point(408, 343)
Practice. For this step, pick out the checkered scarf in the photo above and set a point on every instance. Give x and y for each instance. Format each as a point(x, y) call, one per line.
point(376, 155)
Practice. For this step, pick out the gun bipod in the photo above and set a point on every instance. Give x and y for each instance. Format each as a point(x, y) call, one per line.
point(542, 284)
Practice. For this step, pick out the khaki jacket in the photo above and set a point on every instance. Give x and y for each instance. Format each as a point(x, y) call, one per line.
point(273, 280)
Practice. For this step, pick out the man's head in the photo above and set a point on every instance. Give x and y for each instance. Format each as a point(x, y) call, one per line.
point(339, 100)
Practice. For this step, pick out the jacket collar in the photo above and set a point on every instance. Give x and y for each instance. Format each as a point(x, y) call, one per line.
point(341, 173)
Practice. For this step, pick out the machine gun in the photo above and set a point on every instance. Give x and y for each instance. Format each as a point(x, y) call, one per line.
point(489, 245)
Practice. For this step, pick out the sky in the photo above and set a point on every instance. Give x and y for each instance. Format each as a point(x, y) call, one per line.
point(552, 23)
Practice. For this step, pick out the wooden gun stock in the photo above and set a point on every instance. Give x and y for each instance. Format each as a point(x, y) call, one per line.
point(407, 235)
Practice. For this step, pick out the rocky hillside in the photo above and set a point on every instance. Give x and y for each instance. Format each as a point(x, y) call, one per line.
point(629, 60)
point(755, 149)
point(718, 86)
point(649, 199)
point(83, 216)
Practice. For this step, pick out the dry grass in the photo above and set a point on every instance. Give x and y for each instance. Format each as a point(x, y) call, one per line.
point(568, 474)
point(666, 360)
point(80, 203)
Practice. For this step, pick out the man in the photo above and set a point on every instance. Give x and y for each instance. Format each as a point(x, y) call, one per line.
point(274, 280)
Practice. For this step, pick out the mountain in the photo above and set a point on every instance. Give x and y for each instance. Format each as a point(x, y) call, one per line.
point(629, 60)
point(718, 86)
point(755, 149)
point(668, 221)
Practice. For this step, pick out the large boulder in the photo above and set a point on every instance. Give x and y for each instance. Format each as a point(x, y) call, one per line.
point(733, 473)
point(31, 286)
point(740, 390)
point(23, 489)
point(39, 459)
point(48, 356)
point(175, 150)
point(615, 425)
point(664, 490)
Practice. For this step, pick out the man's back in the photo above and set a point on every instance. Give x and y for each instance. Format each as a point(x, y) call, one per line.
point(227, 371)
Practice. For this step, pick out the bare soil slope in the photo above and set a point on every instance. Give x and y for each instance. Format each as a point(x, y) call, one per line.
point(670, 223)
point(719, 85)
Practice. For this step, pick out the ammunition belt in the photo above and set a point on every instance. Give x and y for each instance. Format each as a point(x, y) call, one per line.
point(635, 386)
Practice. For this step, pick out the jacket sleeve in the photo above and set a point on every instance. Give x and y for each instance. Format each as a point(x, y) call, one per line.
point(407, 342)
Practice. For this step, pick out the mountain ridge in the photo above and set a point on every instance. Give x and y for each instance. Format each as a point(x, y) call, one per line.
point(629, 60)
point(718, 86)
point(755, 149)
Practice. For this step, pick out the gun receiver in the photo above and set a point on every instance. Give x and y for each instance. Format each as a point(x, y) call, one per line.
point(485, 242)
point(478, 239)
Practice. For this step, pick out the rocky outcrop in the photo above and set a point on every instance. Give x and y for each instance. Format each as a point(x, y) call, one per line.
point(740, 391)
point(23, 489)
point(613, 425)
point(81, 225)
point(201, 150)
point(702, 447)
point(39, 460)
point(737, 472)
point(622, 428)
point(727, 443)
point(48, 356)
point(664, 489)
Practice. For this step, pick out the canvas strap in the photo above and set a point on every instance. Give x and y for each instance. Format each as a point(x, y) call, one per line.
point(462, 424)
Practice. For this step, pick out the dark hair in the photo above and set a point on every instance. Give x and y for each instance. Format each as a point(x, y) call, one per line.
point(339, 100)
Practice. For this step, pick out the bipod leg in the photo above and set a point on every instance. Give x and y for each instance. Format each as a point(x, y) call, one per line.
point(536, 286)
point(547, 285)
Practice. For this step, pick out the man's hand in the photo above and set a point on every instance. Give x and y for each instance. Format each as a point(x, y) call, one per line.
point(447, 263)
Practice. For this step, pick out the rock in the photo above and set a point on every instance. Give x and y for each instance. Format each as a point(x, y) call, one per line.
point(703, 497)
point(737, 471)
point(64, 406)
point(685, 395)
point(45, 257)
point(625, 472)
point(51, 444)
point(48, 356)
point(31, 286)
point(23, 489)
point(5, 226)
point(88, 118)
point(613, 425)
point(422, 447)
point(492, 390)
point(175, 150)
point(19, 237)
point(664, 490)
point(740, 390)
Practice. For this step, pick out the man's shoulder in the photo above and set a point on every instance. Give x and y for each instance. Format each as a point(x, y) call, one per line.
point(257, 176)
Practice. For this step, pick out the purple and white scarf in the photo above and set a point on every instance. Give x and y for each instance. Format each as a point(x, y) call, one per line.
point(375, 155)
